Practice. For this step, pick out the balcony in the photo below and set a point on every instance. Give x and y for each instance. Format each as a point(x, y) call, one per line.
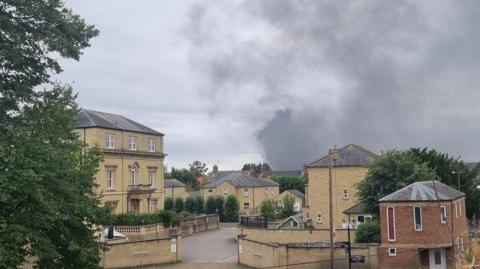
point(141, 189)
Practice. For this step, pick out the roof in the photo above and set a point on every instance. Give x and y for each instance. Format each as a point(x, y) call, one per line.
point(424, 191)
point(287, 173)
point(350, 155)
point(357, 209)
point(297, 193)
point(172, 183)
point(241, 179)
point(297, 218)
point(91, 118)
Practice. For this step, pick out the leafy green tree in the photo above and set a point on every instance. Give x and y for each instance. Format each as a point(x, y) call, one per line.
point(210, 206)
point(267, 209)
point(454, 173)
point(219, 209)
point(368, 232)
point(47, 207)
point(168, 204)
point(232, 209)
point(260, 169)
point(186, 177)
point(199, 205)
point(169, 218)
point(290, 183)
point(198, 169)
point(287, 207)
point(388, 173)
point(190, 205)
point(179, 204)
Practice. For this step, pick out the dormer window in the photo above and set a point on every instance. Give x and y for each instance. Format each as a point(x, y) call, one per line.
point(132, 143)
point(110, 141)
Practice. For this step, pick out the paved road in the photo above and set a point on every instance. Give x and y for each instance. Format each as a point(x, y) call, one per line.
point(213, 249)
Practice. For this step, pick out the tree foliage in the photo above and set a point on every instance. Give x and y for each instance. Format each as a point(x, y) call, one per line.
point(185, 176)
point(368, 232)
point(190, 205)
point(287, 207)
point(290, 183)
point(198, 169)
point(47, 207)
point(179, 204)
point(168, 204)
point(258, 169)
point(232, 209)
point(219, 209)
point(388, 173)
point(268, 209)
point(199, 205)
point(210, 207)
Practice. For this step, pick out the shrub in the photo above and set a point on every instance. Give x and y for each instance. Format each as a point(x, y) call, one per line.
point(368, 232)
point(179, 205)
point(210, 207)
point(168, 204)
point(169, 218)
point(134, 219)
point(190, 205)
point(287, 208)
point(267, 209)
point(219, 201)
point(231, 213)
point(199, 205)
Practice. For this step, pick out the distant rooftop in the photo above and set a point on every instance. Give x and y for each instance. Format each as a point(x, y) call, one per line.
point(424, 191)
point(297, 193)
point(91, 118)
point(241, 179)
point(172, 183)
point(357, 209)
point(350, 155)
point(287, 173)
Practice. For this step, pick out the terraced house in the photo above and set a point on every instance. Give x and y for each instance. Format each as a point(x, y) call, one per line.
point(349, 169)
point(250, 191)
point(130, 178)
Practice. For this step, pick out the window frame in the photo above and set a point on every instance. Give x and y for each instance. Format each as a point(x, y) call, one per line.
point(246, 205)
point(415, 219)
point(133, 140)
point(134, 176)
point(110, 141)
point(152, 181)
point(245, 193)
point(345, 194)
point(392, 252)
point(152, 147)
point(443, 214)
point(111, 172)
point(393, 225)
point(320, 218)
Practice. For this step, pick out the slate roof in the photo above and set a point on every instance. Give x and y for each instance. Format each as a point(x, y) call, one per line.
point(357, 209)
point(172, 183)
point(350, 155)
point(297, 193)
point(241, 179)
point(424, 191)
point(91, 118)
point(297, 218)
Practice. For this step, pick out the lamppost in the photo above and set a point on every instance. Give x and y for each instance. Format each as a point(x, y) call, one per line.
point(458, 177)
point(333, 157)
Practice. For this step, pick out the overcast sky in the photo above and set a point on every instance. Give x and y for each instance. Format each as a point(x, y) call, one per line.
point(230, 82)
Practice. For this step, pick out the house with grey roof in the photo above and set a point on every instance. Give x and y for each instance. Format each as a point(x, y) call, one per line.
point(250, 191)
point(423, 225)
point(297, 196)
point(174, 188)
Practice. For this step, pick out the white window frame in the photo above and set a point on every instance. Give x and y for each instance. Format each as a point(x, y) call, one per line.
point(443, 214)
point(134, 176)
point(460, 208)
point(345, 193)
point(152, 180)
point(132, 143)
point(110, 141)
point(246, 205)
point(392, 252)
point(319, 218)
point(111, 177)
point(415, 219)
point(225, 193)
point(210, 191)
point(151, 144)
point(245, 192)
point(388, 225)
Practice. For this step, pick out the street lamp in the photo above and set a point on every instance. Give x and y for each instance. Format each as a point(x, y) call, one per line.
point(458, 177)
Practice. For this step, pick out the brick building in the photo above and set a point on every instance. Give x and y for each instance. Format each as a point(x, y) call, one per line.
point(422, 226)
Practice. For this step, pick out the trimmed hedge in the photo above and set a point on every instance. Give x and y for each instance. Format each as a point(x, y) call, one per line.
point(131, 219)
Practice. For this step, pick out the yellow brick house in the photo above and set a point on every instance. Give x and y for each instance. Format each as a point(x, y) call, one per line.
point(130, 178)
point(349, 169)
point(250, 191)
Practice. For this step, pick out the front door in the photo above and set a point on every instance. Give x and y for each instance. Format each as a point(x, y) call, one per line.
point(134, 206)
point(438, 259)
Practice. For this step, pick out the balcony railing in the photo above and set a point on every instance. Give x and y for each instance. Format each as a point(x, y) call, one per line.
point(141, 188)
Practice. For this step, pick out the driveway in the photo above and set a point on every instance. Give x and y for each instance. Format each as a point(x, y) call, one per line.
point(213, 249)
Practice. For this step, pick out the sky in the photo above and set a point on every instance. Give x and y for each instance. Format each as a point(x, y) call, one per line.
point(281, 81)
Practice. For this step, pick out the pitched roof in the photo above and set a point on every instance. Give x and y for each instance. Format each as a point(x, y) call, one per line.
point(297, 193)
point(241, 179)
point(172, 183)
point(357, 209)
point(424, 191)
point(91, 118)
point(350, 155)
point(289, 173)
point(297, 218)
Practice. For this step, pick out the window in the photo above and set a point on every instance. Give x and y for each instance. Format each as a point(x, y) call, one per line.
point(460, 208)
point(110, 141)
point(456, 210)
point(151, 144)
point(152, 175)
point(210, 191)
point(134, 176)
point(245, 192)
point(153, 205)
point(132, 143)
point(320, 218)
point(246, 205)
point(111, 179)
point(345, 194)
point(391, 224)
point(266, 192)
point(437, 257)
point(225, 193)
point(443, 214)
point(392, 252)
point(417, 215)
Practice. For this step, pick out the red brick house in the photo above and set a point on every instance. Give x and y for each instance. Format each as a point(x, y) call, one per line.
point(422, 226)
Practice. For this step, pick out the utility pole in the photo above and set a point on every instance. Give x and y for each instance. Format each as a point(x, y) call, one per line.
point(333, 156)
point(349, 245)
